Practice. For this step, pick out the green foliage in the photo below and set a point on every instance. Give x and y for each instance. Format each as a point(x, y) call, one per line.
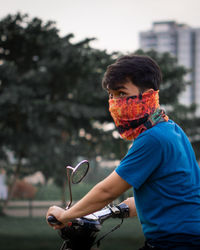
point(54, 192)
point(50, 90)
point(48, 192)
point(173, 76)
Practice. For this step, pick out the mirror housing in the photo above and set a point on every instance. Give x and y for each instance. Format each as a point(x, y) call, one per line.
point(79, 172)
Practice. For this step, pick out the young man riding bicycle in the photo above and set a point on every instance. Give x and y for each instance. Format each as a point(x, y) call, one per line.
point(160, 166)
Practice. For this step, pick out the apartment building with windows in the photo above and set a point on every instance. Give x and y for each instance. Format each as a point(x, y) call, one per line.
point(183, 42)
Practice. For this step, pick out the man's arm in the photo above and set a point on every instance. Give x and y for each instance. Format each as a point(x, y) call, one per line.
point(101, 195)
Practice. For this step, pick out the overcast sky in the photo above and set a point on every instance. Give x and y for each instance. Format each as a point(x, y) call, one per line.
point(115, 23)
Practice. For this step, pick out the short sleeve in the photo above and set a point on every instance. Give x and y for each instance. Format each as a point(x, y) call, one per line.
point(142, 159)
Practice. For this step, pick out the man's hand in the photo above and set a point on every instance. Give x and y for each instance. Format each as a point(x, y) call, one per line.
point(58, 213)
point(130, 202)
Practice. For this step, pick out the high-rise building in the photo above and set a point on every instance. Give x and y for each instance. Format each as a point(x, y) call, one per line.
point(183, 42)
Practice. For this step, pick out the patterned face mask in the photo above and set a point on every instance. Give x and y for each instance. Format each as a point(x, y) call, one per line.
point(135, 114)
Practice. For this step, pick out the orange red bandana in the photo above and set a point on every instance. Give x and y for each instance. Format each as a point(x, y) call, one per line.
point(135, 114)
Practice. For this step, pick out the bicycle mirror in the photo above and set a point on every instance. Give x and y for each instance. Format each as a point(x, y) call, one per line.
point(75, 175)
point(80, 171)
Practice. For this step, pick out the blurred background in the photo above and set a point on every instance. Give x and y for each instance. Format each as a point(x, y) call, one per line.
point(53, 111)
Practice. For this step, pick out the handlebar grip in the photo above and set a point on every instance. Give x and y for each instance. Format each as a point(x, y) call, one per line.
point(53, 221)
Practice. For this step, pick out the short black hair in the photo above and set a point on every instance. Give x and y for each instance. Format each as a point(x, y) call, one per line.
point(142, 71)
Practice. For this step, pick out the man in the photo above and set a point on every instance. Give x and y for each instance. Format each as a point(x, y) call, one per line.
point(160, 166)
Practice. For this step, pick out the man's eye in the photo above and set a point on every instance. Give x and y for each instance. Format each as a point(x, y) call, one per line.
point(110, 95)
point(122, 94)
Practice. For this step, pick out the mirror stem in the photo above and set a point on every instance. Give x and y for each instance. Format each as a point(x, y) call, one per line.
point(70, 190)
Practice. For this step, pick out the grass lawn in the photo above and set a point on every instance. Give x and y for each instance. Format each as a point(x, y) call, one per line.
point(35, 234)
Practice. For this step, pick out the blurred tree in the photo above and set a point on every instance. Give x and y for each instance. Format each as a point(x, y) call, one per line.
point(173, 76)
point(50, 92)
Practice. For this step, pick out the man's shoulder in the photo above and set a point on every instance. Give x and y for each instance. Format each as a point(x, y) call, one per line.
point(160, 133)
point(164, 128)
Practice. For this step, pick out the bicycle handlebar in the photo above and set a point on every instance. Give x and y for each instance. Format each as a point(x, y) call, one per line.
point(118, 211)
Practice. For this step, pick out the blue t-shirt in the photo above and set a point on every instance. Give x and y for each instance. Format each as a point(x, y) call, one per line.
point(162, 168)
